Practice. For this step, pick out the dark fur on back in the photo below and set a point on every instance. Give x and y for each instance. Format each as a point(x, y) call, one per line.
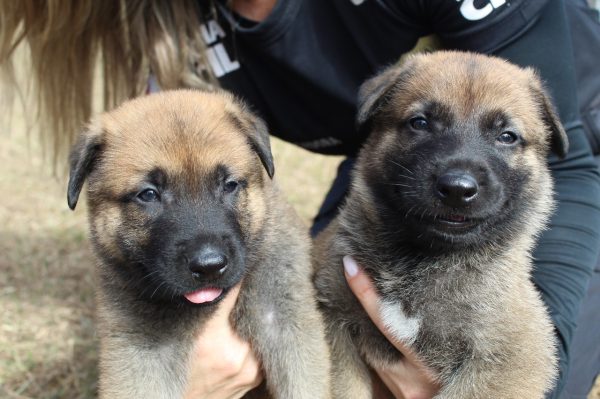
point(448, 195)
point(181, 201)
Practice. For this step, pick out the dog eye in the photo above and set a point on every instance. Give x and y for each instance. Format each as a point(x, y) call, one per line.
point(507, 137)
point(419, 123)
point(149, 195)
point(230, 186)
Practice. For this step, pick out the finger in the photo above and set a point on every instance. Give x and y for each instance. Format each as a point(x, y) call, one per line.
point(244, 376)
point(251, 374)
point(363, 288)
point(408, 381)
point(391, 384)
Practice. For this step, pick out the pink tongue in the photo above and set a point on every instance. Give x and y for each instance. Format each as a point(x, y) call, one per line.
point(204, 295)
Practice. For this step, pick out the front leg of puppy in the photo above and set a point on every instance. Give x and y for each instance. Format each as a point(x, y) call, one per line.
point(350, 376)
point(281, 320)
point(132, 370)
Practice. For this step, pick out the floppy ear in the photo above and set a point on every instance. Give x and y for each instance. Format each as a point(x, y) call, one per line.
point(559, 143)
point(258, 137)
point(82, 160)
point(256, 131)
point(374, 93)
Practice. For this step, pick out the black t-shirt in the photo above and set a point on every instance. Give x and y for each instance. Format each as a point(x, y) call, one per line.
point(301, 67)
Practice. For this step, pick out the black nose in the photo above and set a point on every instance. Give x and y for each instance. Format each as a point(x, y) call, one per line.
point(208, 261)
point(456, 188)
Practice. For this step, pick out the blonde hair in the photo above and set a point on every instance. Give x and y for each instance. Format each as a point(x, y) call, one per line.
point(127, 39)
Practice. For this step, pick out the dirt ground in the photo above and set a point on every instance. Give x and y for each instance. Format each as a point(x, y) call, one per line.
point(47, 340)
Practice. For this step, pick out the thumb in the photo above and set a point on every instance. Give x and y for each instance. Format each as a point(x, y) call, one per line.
point(364, 290)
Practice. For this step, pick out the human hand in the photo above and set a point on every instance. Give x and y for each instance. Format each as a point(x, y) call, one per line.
point(223, 365)
point(409, 378)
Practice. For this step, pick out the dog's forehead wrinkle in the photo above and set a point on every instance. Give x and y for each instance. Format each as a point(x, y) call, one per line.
point(474, 87)
point(157, 176)
point(222, 171)
point(494, 119)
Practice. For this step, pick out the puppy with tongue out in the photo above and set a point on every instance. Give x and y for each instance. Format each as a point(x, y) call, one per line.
point(183, 208)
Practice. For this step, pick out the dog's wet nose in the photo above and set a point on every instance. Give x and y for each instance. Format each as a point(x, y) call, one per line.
point(457, 188)
point(208, 262)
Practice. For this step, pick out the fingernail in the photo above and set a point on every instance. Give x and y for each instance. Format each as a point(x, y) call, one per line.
point(350, 266)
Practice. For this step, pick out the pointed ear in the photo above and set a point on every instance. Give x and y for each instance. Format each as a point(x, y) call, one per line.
point(82, 161)
point(261, 144)
point(559, 142)
point(375, 92)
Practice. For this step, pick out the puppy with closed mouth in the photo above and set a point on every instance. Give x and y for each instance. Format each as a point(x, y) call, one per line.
point(182, 207)
point(448, 195)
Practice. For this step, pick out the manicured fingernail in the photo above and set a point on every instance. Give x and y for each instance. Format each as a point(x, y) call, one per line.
point(350, 266)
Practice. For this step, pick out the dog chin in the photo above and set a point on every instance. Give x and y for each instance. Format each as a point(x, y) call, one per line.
point(451, 231)
point(452, 236)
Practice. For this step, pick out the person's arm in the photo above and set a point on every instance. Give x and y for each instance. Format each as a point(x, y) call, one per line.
point(568, 249)
point(222, 365)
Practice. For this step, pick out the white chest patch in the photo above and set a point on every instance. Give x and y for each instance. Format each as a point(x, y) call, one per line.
point(269, 318)
point(402, 327)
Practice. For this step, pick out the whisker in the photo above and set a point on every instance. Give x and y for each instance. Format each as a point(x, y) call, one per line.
point(408, 212)
point(141, 294)
point(149, 274)
point(160, 285)
point(402, 166)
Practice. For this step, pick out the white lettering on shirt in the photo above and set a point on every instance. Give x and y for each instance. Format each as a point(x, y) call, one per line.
point(211, 32)
point(220, 61)
point(472, 13)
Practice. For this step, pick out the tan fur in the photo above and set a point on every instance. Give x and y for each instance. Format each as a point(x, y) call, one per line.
point(188, 134)
point(482, 298)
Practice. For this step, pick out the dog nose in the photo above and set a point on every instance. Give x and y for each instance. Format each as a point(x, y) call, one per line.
point(208, 262)
point(457, 188)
